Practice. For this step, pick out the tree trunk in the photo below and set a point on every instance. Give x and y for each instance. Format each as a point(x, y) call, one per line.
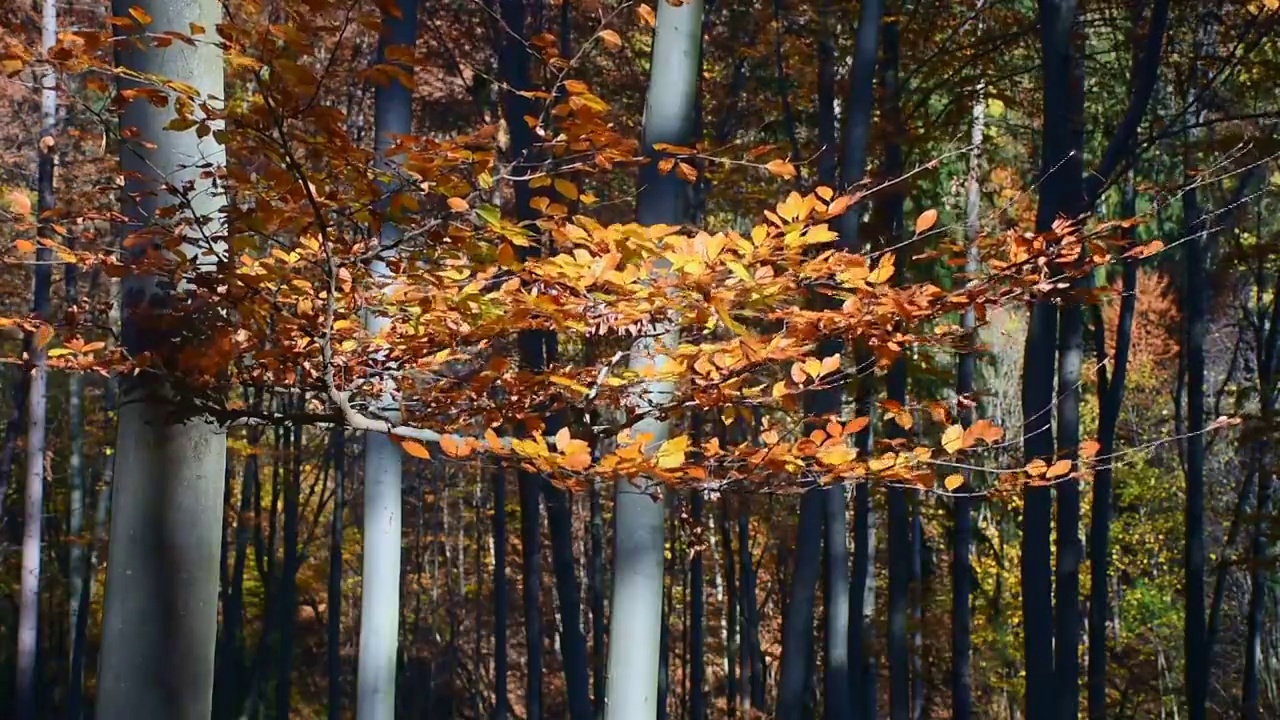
point(160, 611)
point(500, 595)
point(573, 644)
point(638, 517)
point(797, 624)
point(383, 464)
point(333, 625)
point(697, 612)
point(962, 571)
point(597, 602)
point(1195, 312)
point(37, 396)
point(288, 607)
point(1060, 179)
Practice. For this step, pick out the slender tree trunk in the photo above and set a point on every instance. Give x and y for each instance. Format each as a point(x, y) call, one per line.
point(638, 534)
point(1110, 403)
point(383, 463)
point(597, 602)
point(962, 571)
point(731, 603)
point(1070, 364)
point(1195, 312)
point(500, 598)
point(333, 625)
point(573, 643)
point(228, 683)
point(78, 494)
point(1060, 173)
point(753, 666)
point(797, 625)
point(162, 580)
point(26, 685)
point(853, 168)
point(288, 607)
point(697, 615)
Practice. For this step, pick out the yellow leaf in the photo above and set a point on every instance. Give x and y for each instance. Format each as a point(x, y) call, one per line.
point(415, 448)
point(883, 271)
point(953, 482)
point(1058, 469)
point(926, 220)
point(671, 454)
point(59, 352)
point(904, 419)
point(611, 39)
point(458, 204)
point(953, 439)
point(647, 15)
point(884, 462)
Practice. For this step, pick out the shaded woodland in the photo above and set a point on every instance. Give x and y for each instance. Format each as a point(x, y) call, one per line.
point(594, 359)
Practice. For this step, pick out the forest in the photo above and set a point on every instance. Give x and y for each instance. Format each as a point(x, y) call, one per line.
point(639, 359)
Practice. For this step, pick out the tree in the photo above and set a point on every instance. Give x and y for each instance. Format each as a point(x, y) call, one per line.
point(383, 465)
point(636, 606)
point(162, 581)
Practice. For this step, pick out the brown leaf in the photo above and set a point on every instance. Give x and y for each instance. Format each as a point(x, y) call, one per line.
point(611, 39)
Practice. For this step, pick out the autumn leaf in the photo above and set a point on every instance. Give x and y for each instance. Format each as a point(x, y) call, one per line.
point(926, 220)
point(1058, 469)
point(1036, 467)
point(883, 271)
point(953, 439)
point(781, 168)
point(856, 425)
point(1089, 449)
point(140, 15)
point(670, 454)
point(413, 448)
point(457, 204)
point(611, 39)
point(953, 482)
point(24, 246)
point(19, 202)
point(647, 15)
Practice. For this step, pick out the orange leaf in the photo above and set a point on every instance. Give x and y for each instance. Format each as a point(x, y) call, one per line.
point(856, 425)
point(140, 15)
point(926, 220)
point(647, 15)
point(458, 204)
point(1089, 449)
point(611, 39)
point(953, 482)
point(1058, 469)
point(781, 168)
point(25, 246)
point(19, 202)
point(415, 448)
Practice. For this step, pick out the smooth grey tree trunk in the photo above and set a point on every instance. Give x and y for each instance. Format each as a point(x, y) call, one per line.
point(638, 517)
point(383, 463)
point(160, 611)
point(37, 397)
